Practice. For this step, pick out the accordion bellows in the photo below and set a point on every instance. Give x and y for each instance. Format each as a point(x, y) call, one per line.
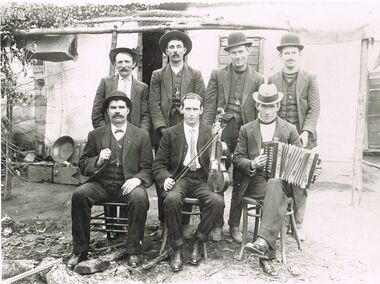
point(290, 163)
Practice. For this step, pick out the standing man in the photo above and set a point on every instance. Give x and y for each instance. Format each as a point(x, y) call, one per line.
point(231, 88)
point(300, 105)
point(168, 86)
point(178, 148)
point(253, 181)
point(124, 60)
point(118, 158)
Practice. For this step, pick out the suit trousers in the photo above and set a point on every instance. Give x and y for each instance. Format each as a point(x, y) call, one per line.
point(212, 204)
point(86, 195)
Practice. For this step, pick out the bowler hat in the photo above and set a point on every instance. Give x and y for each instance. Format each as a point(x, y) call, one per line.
point(290, 39)
point(117, 50)
point(165, 38)
point(267, 95)
point(116, 95)
point(237, 39)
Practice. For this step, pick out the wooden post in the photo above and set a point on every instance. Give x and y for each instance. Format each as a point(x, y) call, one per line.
point(113, 45)
point(8, 151)
point(357, 184)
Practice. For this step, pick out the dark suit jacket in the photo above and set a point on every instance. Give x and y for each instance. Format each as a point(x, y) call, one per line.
point(249, 145)
point(161, 92)
point(172, 151)
point(308, 105)
point(218, 90)
point(139, 96)
point(137, 153)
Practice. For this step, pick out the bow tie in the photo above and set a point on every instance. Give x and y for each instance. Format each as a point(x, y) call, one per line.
point(119, 130)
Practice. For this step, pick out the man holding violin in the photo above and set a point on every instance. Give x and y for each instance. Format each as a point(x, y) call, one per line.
point(185, 146)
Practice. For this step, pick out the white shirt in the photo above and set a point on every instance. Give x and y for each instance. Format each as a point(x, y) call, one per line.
point(176, 69)
point(187, 129)
point(125, 85)
point(119, 134)
point(267, 130)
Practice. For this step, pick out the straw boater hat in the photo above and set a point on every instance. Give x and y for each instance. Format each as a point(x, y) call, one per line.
point(290, 39)
point(163, 43)
point(117, 50)
point(237, 39)
point(116, 95)
point(268, 95)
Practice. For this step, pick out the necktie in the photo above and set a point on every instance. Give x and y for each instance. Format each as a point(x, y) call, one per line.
point(193, 166)
point(126, 89)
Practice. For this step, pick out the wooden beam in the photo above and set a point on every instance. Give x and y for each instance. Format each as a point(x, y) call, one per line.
point(113, 45)
point(98, 30)
point(357, 184)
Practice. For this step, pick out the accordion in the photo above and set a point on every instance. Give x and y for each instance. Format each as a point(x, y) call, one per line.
point(290, 163)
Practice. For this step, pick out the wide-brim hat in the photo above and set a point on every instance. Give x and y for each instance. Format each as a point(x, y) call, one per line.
point(268, 95)
point(117, 95)
point(117, 50)
point(165, 38)
point(237, 39)
point(62, 149)
point(290, 39)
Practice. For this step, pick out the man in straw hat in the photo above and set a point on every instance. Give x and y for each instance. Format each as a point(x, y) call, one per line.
point(167, 86)
point(124, 60)
point(231, 88)
point(118, 158)
point(300, 105)
point(254, 183)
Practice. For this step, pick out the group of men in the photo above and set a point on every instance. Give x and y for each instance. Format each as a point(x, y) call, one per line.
point(118, 156)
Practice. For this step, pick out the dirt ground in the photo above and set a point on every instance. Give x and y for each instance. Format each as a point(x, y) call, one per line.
point(342, 243)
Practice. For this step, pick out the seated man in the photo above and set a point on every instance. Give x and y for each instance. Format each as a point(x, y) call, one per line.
point(253, 182)
point(178, 148)
point(118, 158)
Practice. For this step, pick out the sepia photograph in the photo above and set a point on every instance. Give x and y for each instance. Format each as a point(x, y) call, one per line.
point(190, 141)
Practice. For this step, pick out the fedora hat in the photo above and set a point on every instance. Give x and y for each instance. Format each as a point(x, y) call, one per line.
point(165, 38)
point(237, 39)
point(117, 50)
point(290, 39)
point(267, 95)
point(116, 95)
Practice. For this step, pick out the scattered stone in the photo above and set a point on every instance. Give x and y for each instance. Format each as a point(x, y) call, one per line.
point(44, 261)
point(15, 267)
point(61, 274)
point(91, 266)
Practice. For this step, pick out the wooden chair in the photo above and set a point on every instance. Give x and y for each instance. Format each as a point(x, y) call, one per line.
point(196, 211)
point(107, 221)
point(249, 205)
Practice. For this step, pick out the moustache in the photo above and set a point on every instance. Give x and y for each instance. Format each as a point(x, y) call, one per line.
point(117, 116)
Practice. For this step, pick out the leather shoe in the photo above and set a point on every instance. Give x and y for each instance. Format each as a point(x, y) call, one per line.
point(216, 234)
point(236, 234)
point(268, 268)
point(259, 248)
point(195, 257)
point(176, 261)
point(133, 260)
point(76, 258)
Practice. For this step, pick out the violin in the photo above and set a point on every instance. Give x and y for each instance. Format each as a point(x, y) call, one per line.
point(218, 178)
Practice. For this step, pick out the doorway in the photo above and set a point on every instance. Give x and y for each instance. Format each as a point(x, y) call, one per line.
point(151, 54)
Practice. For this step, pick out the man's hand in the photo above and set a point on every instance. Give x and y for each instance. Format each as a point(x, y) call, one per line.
point(168, 184)
point(104, 155)
point(216, 128)
point(304, 137)
point(130, 185)
point(259, 162)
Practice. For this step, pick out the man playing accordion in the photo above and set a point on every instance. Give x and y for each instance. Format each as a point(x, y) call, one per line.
point(251, 179)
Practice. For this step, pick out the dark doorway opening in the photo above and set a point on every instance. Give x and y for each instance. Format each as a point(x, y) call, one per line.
point(151, 54)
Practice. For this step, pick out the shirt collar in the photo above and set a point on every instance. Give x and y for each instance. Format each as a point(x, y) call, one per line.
point(188, 128)
point(124, 128)
point(128, 78)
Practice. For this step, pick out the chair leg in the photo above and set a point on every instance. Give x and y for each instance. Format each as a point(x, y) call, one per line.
point(164, 240)
point(245, 229)
point(282, 237)
point(257, 222)
point(295, 231)
point(107, 213)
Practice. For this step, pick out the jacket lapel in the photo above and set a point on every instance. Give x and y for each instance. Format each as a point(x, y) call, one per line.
point(248, 83)
point(181, 143)
point(202, 140)
point(167, 80)
point(106, 137)
point(226, 74)
point(300, 85)
point(186, 78)
point(128, 140)
point(278, 131)
point(135, 86)
point(115, 82)
point(257, 134)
